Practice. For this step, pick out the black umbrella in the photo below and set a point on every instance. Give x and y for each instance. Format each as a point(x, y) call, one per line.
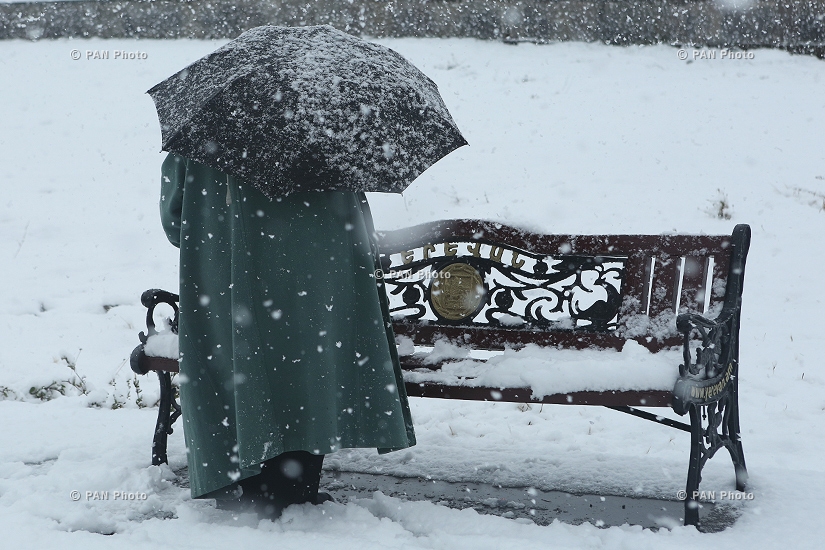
point(306, 109)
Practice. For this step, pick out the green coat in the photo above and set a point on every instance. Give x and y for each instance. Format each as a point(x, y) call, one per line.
point(285, 338)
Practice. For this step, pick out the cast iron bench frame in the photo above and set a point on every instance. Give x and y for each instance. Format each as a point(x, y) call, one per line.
point(663, 278)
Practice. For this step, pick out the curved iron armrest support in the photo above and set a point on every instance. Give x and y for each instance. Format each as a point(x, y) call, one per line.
point(712, 332)
point(168, 408)
point(704, 381)
point(151, 299)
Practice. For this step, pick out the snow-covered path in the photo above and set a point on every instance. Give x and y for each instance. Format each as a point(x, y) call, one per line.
point(566, 138)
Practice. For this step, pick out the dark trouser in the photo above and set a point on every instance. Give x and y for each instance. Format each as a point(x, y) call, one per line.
point(289, 478)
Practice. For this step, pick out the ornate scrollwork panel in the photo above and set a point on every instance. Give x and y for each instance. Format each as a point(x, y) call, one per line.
point(475, 283)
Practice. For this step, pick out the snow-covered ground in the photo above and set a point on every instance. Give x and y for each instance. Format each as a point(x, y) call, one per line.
point(567, 138)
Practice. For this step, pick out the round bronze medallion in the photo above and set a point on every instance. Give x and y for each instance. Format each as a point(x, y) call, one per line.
point(456, 291)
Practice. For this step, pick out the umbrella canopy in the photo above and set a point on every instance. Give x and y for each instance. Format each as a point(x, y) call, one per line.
point(306, 109)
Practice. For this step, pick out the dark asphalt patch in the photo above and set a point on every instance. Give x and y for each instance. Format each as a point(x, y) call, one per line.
point(529, 504)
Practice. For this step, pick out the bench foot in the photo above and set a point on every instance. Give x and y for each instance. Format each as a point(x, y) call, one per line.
point(737, 455)
point(713, 426)
point(168, 413)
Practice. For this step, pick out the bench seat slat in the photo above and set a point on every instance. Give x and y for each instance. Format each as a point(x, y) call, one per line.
point(610, 245)
point(648, 398)
point(161, 364)
point(496, 338)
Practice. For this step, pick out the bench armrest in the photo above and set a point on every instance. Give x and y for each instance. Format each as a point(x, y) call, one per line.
point(138, 361)
point(716, 341)
point(152, 298)
point(716, 367)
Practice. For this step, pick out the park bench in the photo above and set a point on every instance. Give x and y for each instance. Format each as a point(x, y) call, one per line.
point(627, 303)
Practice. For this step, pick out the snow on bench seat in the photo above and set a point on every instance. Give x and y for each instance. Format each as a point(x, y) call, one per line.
point(545, 371)
point(163, 344)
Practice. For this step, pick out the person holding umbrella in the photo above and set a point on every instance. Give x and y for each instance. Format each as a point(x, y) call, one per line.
point(286, 347)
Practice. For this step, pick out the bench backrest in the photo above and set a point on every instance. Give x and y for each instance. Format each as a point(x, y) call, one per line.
point(488, 285)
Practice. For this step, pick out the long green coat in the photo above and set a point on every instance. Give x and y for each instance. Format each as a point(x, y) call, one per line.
point(284, 334)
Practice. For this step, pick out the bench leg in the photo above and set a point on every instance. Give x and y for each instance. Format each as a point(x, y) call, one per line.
point(712, 427)
point(166, 417)
point(694, 467)
point(737, 455)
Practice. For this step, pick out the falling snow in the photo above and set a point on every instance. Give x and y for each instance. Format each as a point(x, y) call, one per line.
point(595, 140)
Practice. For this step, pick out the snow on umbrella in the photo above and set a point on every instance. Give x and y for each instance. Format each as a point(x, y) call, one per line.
point(306, 109)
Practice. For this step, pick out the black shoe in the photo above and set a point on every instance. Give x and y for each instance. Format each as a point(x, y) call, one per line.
point(268, 510)
point(255, 504)
point(232, 504)
point(321, 498)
